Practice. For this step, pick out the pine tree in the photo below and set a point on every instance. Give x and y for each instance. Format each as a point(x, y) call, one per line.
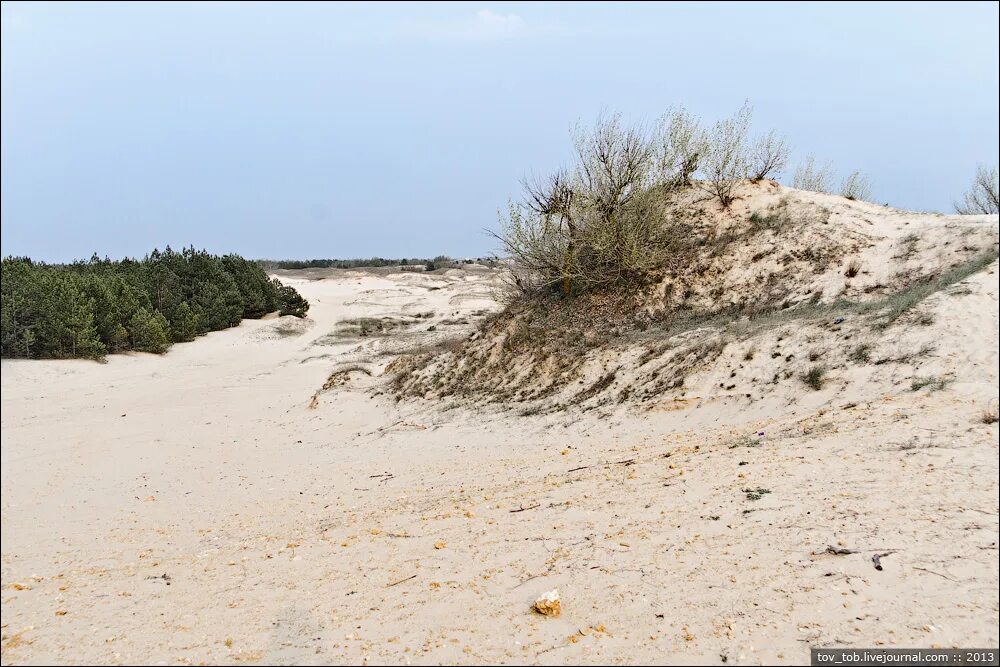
point(292, 302)
point(82, 334)
point(149, 331)
point(184, 325)
point(118, 339)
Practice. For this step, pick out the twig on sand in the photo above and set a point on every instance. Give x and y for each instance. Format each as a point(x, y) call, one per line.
point(626, 462)
point(877, 559)
point(924, 569)
point(522, 508)
point(401, 581)
point(403, 423)
point(837, 551)
point(532, 578)
point(973, 509)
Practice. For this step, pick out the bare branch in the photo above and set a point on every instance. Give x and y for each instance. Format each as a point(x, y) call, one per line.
point(725, 164)
point(678, 148)
point(856, 186)
point(768, 156)
point(981, 199)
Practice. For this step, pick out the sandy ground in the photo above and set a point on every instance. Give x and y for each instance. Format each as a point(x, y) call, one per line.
point(193, 508)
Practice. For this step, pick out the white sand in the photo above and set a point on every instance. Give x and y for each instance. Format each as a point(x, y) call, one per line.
point(192, 508)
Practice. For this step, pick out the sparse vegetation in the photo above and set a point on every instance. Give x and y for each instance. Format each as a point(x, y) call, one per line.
point(756, 494)
point(810, 176)
point(775, 217)
point(745, 441)
point(909, 246)
point(932, 383)
point(906, 357)
point(814, 377)
point(853, 268)
point(363, 327)
point(286, 331)
point(596, 388)
point(896, 305)
point(861, 354)
point(856, 187)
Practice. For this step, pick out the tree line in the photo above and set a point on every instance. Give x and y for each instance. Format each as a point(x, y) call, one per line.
point(88, 309)
point(371, 262)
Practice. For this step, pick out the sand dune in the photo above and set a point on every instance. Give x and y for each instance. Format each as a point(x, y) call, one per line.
point(215, 504)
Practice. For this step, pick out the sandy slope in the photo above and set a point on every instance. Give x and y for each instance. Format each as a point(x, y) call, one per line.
point(193, 508)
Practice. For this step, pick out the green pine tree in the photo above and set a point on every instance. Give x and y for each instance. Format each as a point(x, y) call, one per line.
point(292, 303)
point(118, 339)
point(149, 331)
point(184, 325)
point(88, 308)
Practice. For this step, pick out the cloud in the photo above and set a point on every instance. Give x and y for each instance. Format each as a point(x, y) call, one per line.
point(489, 25)
point(484, 26)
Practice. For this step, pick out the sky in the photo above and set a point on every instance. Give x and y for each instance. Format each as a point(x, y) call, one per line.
point(285, 130)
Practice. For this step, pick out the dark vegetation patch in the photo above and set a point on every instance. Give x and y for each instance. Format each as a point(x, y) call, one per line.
point(861, 354)
point(931, 383)
point(92, 308)
point(814, 377)
point(756, 494)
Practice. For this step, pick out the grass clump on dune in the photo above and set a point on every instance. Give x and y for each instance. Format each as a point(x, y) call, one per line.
point(814, 377)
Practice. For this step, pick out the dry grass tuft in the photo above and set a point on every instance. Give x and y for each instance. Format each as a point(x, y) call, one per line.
point(814, 377)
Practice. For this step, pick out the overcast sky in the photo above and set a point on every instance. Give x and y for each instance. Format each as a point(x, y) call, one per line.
point(330, 130)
